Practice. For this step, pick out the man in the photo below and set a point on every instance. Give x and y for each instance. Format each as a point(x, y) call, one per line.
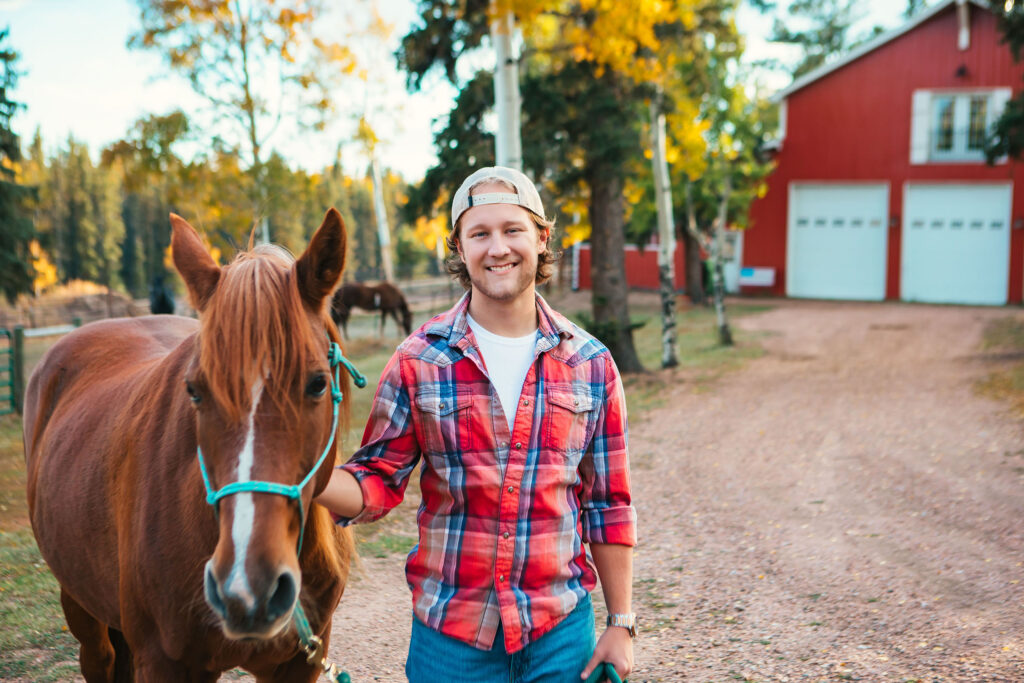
point(520, 420)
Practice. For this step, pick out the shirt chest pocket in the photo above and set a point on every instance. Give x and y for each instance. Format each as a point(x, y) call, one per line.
point(568, 420)
point(444, 423)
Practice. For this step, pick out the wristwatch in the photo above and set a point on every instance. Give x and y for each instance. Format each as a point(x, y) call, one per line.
point(626, 621)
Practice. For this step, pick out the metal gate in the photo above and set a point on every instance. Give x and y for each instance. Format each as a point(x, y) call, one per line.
point(7, 366)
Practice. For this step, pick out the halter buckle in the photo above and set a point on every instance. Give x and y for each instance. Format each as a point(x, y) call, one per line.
point(314, 650)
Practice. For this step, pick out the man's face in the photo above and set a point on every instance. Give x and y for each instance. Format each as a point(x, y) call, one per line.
point(500, 243)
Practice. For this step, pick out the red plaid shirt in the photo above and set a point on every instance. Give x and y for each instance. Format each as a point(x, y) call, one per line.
point(503, 516)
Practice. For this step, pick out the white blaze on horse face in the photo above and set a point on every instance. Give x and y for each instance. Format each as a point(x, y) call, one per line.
point(245, 511)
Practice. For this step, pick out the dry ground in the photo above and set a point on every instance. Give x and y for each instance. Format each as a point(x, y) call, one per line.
point(845, 508)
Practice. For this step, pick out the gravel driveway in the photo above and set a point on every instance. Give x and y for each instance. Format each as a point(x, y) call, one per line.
point(844, 508)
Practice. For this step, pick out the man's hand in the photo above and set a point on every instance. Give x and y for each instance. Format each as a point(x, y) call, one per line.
point(615, 647)
point(342, 495)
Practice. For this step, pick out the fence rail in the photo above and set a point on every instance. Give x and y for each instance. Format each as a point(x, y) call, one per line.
point(54, 330)
point(12, 361)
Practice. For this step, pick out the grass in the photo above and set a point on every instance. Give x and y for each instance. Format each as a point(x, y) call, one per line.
point(1005, 336)
point(34, 642)
point(13, 508)
point(701, 358)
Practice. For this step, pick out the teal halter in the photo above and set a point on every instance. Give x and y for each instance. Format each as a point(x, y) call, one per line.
point(293, 492)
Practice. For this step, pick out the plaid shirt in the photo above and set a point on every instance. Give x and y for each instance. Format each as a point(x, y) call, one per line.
point(503, 516)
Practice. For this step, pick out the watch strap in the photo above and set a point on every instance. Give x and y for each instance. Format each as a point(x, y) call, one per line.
point(626, 621)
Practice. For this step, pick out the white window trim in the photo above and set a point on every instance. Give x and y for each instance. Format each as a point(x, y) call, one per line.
point(924, 124)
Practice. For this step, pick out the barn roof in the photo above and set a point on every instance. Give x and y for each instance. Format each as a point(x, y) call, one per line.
point(870, 46)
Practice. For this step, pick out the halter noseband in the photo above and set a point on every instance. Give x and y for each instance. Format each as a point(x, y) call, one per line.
point(293, 492)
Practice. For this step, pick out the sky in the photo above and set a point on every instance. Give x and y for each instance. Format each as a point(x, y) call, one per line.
point(79, 78)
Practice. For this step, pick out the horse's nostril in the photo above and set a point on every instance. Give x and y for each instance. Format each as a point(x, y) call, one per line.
point(213, 596)
point(283, 597)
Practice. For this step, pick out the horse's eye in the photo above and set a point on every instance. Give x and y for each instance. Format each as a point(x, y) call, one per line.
point(317, 386)
point(192, 393)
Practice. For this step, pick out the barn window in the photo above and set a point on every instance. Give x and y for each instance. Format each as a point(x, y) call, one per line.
point(978, 123)
point(960, 122)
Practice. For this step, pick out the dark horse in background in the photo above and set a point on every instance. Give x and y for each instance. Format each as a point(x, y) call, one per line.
point(133, 426)
point(384, 297)
point(161, 299)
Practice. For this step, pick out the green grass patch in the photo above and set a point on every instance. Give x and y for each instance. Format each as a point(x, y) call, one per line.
point(34, 641)
point(1005, 335)
point(13, 508)
point(698, 351)
point(383, 544)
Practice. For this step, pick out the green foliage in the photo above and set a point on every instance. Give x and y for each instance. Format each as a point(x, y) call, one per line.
point(914, 7)
point(230, 51)
point(448, 30)
point(16, 230)
point(827, 35)
point(80, 216)
point(1007, 137)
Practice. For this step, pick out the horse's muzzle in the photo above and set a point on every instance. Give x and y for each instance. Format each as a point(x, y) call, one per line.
point(245, 614)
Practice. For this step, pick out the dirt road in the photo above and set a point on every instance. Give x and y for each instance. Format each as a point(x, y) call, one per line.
point(844, 508)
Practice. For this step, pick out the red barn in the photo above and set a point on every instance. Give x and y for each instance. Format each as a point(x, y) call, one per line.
point(881, 190)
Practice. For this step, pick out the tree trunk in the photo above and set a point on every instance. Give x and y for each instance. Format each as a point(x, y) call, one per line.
point(724, 333)
point(694, 265)
point(609, 298)
point(666, 237)
point(691, 244)
point(508, 142)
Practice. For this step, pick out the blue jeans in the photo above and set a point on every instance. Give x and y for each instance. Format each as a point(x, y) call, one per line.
point(556, 657)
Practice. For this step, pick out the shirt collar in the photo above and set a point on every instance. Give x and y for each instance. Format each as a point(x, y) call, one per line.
point(553, 327)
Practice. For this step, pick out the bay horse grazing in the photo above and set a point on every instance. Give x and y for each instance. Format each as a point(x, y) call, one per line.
point(172, 466)
point(384, 297)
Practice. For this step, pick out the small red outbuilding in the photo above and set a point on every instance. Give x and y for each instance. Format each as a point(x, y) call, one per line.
point(881, 190)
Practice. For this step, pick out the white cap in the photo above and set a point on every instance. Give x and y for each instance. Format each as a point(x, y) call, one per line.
point(526, 194)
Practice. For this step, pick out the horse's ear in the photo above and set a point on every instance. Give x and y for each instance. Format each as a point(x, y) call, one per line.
point(318, 270)
point(197, 268)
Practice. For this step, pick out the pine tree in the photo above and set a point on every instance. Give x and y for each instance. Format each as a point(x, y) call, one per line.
point(16, 229)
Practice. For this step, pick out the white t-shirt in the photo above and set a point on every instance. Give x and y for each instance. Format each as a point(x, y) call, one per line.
point(508, 359)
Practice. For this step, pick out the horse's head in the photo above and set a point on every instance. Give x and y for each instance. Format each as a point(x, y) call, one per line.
point(265, 398)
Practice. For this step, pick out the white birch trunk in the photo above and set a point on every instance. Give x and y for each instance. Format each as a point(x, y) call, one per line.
point(718, 279)
point(383, 230)
point(666, 237)
point(508, 144)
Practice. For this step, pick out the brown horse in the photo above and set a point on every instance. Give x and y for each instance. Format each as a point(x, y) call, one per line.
point(128, 421)
point(384, 297)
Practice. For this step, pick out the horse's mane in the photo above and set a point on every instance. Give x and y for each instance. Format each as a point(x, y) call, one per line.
point(255, 327)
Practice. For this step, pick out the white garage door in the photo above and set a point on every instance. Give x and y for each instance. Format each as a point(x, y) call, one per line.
point(956, 244)
point(837, 241)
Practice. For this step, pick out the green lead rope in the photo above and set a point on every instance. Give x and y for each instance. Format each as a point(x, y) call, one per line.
point(314, 648)
point(604, 671)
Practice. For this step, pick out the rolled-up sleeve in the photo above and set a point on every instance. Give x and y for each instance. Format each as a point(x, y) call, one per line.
point(606, 505)
point(390, 451)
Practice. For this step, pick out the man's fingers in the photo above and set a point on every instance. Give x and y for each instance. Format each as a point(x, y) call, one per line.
point(588, 668)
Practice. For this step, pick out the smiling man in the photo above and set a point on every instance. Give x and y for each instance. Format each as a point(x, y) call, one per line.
point(519, 419)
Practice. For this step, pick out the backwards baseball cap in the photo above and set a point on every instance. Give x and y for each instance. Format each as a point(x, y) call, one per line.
point(525, 194)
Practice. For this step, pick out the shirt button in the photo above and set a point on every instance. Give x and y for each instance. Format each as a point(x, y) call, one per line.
point(505, 535)
point(504, 444)
point(511, 489)
point(519, 444)
point(526, 402)
point(501, 578)
point(442, 405)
